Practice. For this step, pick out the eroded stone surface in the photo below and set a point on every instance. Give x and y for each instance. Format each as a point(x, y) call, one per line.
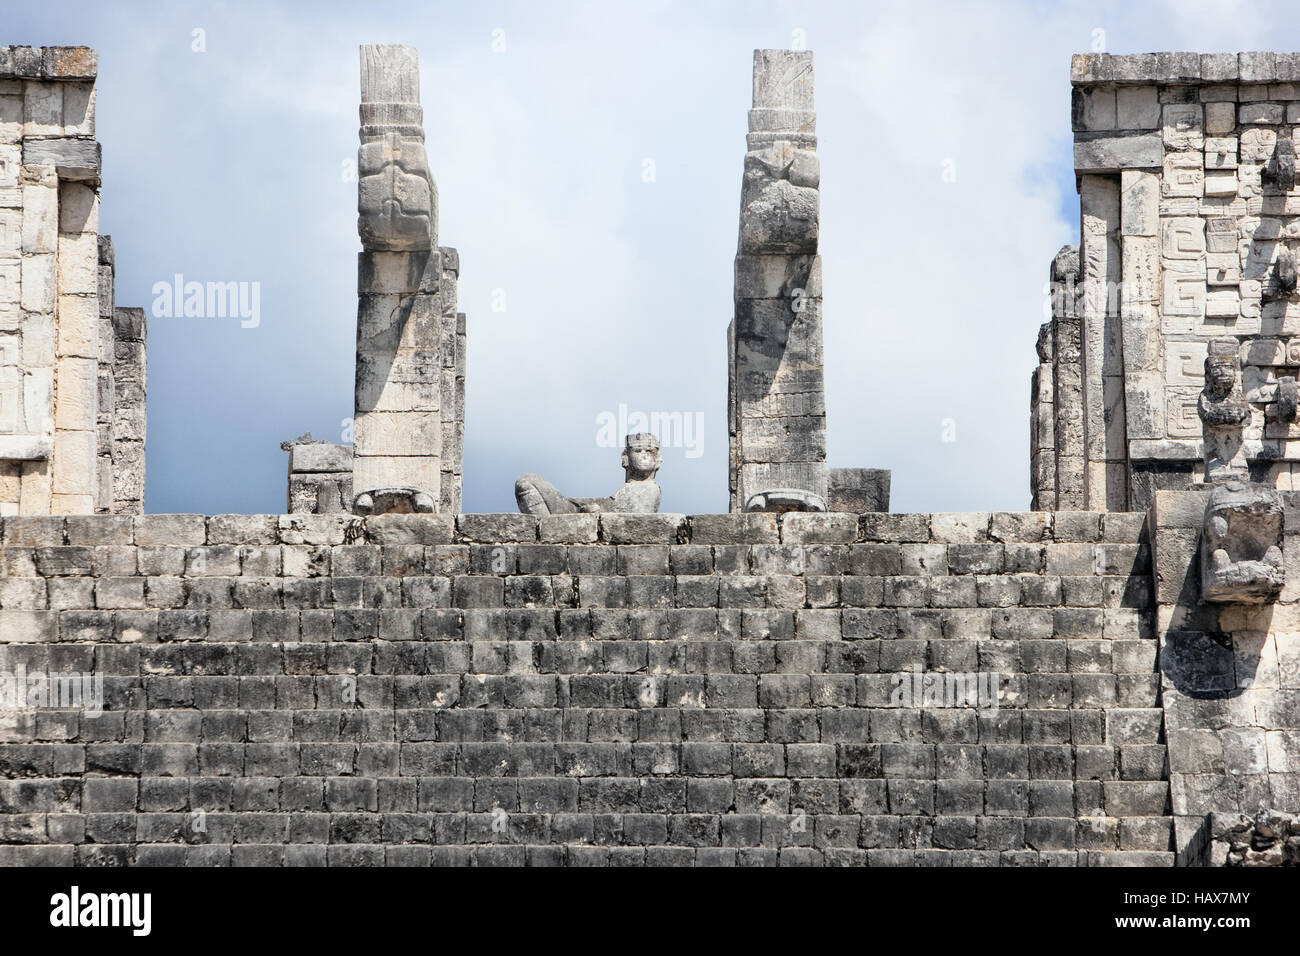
point(1241, 551)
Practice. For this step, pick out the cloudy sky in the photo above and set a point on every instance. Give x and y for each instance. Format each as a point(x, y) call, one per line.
point(590, 283)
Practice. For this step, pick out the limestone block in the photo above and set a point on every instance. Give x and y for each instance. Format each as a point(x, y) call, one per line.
point(38, 340)
point(11, 123)
point(1257, 67)
point(40, 219)
point(1184, 297)
point(1223, 268)
point(1182, 126)
point(38, 282)
point(1184, 175)
point(1220, 118)
point(387, 323)
point(569, 529)
point(11, 234)
point(410, 471)
point(79, 109)
point(74, 463)
point(1140, 268)
point(1094, 108)
point(320, 457)
point(397, 273)
point(72, 157)
point(1182, 417)
point(38, 401)
point(42, 109)
point(69, 62)
point(778, 277)
point(26, 447)
point(1137, 107)
point(1107, 153)
point(1257, 263)
point(11, 407)
point(79, 265)
point(858, 490)
point(1257, 145)
point(398, 433)
point(1221, 235)
point(1222, 304)
point(1221, 152)
point(169, 530)
point(407, 381)
point(76, 403)
point(78, 326)
point(1144, 404)
point(1266, 114)
point(1087, 68)
point(35, 487)
point(497, 528)
point(1139, 202)
point(1221, 183)
point(79, 209)
point(783, 79)
point(1184, 363)
point(661, 528)
point(408, 529)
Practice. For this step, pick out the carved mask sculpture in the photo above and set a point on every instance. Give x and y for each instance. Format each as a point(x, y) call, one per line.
point(1224, 415)
point(397, 201)
point(1281, 168)
point(1241, 545)
point(1284, 273)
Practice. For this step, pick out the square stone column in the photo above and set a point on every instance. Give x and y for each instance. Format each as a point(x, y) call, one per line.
point(776, 395)
point(409, 416)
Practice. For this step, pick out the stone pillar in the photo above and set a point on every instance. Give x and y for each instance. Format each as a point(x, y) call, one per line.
point(407, 397)
point(1042, 427)
point(130, 378)
point(776, 397)
point(1056, 401)
point(57, 411)
point(452, 385)
point(1106, 474)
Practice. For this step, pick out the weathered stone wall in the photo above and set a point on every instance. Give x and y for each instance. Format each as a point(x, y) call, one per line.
point(583, 689)
point(72, 376)
point(1231, 680)
point(1187, 206)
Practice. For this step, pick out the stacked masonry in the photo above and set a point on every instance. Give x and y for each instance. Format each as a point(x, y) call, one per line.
point(776, 399)
point(1056, 437)
point(410, 373)
point(72, 372)
point(612, 689)
point(1230, 682)
point(1185, 211)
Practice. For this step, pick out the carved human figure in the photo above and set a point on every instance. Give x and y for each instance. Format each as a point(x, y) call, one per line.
point(1224, 415)
point(397, 199)
point(1242, 545)
point(640, 492)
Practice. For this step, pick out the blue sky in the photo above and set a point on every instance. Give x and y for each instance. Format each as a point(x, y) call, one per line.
point(229, 165)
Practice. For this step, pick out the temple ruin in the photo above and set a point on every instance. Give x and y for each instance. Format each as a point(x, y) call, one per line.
point(1109, 678)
